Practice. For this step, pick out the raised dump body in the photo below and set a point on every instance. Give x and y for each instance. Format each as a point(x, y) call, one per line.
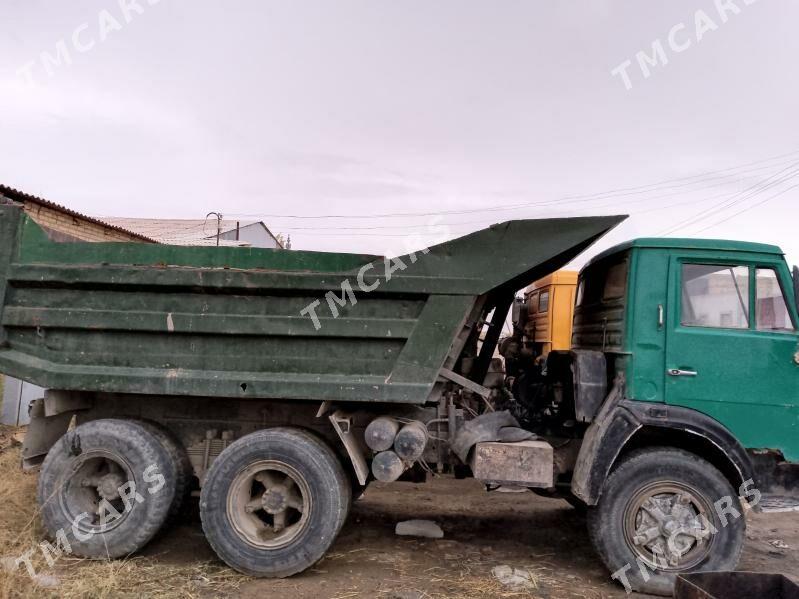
point(260, 323)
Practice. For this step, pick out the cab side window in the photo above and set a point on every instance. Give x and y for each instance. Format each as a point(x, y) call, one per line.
point(615, 282)
point(543, 302)
point(715, 296)
point(771, 310)
point(534, 303)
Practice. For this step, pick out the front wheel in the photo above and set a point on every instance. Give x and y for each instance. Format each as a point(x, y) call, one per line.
point(274, 502)
point(663, 512)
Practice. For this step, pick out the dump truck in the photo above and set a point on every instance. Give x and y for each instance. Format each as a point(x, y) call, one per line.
point(277, 385)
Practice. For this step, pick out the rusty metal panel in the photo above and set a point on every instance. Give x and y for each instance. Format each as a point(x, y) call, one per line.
point(228, 322)
point(526, 463)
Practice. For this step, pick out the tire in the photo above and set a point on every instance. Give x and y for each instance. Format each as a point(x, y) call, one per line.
point(184, 469)
point(657, 478)
point(274, 501)
point(79, 484)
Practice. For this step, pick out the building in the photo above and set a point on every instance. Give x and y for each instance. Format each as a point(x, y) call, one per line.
point(65, 225)
point(251, 233)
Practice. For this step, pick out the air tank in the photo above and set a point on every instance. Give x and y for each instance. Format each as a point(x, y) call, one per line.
point(411, 441)
point(380, 433)
point(387, 466)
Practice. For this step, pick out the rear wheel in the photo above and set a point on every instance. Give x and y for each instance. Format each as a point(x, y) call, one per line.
point(661, 514)
point(107, 487)
point(184, 470)
point(274, 501)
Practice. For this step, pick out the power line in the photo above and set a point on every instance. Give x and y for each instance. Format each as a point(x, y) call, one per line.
point(432, 231)
point(723, 205)
point(748, 208)
point(567, 199)
point(484, 222)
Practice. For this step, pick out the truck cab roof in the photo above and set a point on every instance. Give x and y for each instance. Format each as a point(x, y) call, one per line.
point(684, 243)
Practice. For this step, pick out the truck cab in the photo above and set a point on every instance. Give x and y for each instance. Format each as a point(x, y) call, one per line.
point(705, 325)
point(550, 305)
point(682, 388)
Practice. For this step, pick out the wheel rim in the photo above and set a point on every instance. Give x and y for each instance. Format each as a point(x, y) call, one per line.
point(92, 486)
point(269, 504)
point(667, 525)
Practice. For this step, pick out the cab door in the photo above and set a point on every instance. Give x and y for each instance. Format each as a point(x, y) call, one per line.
point(731, 349)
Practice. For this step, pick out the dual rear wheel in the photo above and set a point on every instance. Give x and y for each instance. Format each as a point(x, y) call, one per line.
point(272, 504)
point(108, 486)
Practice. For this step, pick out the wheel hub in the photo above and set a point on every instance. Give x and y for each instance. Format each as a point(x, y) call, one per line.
point(108, 486)
point(665, 526)
point(268, 504)
point(275, 500)
point(94, 488)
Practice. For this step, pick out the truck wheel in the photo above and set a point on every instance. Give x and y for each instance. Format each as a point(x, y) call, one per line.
point(274, 501)
point(107, 487)
point(184, 469)
point(657, 518)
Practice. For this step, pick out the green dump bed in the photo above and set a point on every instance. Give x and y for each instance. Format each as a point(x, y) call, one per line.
point(229, 322)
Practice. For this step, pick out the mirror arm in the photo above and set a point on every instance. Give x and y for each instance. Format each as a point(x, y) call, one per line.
point(796, 286)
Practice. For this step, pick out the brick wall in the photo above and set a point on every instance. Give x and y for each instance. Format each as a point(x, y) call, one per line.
point(65, 227)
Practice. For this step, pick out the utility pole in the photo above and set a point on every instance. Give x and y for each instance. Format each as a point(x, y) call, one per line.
point(218, 225)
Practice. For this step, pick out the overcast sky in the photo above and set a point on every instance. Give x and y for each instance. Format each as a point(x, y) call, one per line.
point(486, 111)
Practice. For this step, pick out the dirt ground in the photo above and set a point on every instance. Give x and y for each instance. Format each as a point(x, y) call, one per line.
point(482, 530)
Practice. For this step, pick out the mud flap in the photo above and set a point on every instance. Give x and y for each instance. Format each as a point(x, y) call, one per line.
point(43, 432)
point(610, 430)
point(342, 423)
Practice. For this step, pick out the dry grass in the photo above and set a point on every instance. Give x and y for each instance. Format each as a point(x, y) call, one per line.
point(465, 576)
point(134, 577)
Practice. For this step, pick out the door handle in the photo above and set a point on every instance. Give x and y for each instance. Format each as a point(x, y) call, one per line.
point(678, 372)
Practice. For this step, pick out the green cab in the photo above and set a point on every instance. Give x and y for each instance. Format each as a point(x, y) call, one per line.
point(707, 325)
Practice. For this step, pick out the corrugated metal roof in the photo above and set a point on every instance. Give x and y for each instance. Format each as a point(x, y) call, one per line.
point(22, 197)
point(182, 231)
